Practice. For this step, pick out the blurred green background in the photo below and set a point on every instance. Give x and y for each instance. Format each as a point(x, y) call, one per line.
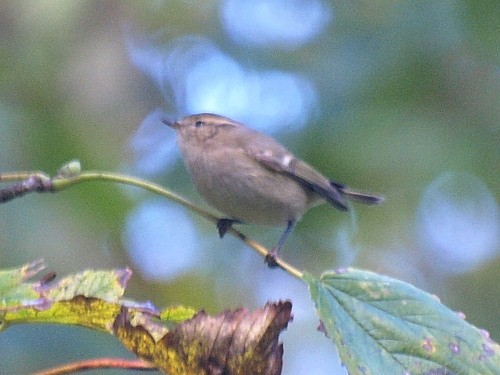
point(400, 98)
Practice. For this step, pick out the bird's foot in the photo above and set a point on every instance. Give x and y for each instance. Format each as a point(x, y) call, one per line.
point(223, 225)
point(271, 259)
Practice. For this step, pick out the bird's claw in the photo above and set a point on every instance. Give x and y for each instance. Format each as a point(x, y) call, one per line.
point(223, 225)
point(270, 259)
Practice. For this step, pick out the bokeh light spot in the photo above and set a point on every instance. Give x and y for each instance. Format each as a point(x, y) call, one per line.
point(161, 240)
point(195, 76)
point(272, 99)
point(277, 23)
point(458, 223)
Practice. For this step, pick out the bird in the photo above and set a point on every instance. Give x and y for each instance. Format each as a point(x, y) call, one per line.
point(253, 179)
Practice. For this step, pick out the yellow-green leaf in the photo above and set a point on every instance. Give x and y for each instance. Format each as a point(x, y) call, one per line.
point(90, 298)
point(108, 285)
point(15, 292)
point(84, 311)
point(177, 314)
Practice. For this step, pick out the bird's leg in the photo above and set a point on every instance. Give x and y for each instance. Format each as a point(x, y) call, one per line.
point(273, 255)
point(224, 224)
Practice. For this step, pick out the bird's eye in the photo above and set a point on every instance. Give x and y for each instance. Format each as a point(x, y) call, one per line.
point(198, 123)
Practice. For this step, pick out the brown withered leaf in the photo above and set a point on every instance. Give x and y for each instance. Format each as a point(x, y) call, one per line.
point(233, 342)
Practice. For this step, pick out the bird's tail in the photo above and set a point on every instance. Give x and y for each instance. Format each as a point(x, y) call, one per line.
point(357, 197)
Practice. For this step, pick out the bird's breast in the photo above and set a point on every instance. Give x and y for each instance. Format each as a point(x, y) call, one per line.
point(243, 189)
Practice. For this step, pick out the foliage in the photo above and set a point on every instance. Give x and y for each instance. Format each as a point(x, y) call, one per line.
point(233, 342)
point(379, 324)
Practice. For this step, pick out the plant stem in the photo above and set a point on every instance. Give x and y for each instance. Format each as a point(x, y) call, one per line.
point(100, 363)
point(40, 182)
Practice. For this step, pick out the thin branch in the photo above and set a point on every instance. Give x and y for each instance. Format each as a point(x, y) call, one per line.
point(37, 182)
point(99, 363)
point(70, 175)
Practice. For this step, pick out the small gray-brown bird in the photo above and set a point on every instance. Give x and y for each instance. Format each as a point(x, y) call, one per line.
point(251, 178)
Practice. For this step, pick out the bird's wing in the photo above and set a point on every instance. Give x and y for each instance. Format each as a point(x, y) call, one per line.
point(274, 156)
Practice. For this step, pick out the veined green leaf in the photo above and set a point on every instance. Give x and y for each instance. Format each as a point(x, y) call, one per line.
point(382, 325)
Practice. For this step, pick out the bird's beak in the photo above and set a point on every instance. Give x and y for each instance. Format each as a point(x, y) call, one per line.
point(169, 123)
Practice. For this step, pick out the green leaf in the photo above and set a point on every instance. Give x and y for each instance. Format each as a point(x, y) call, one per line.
point(382, 325)
point(14, 291)
point(173, 315)
point(108, 285)
point(91, 298)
